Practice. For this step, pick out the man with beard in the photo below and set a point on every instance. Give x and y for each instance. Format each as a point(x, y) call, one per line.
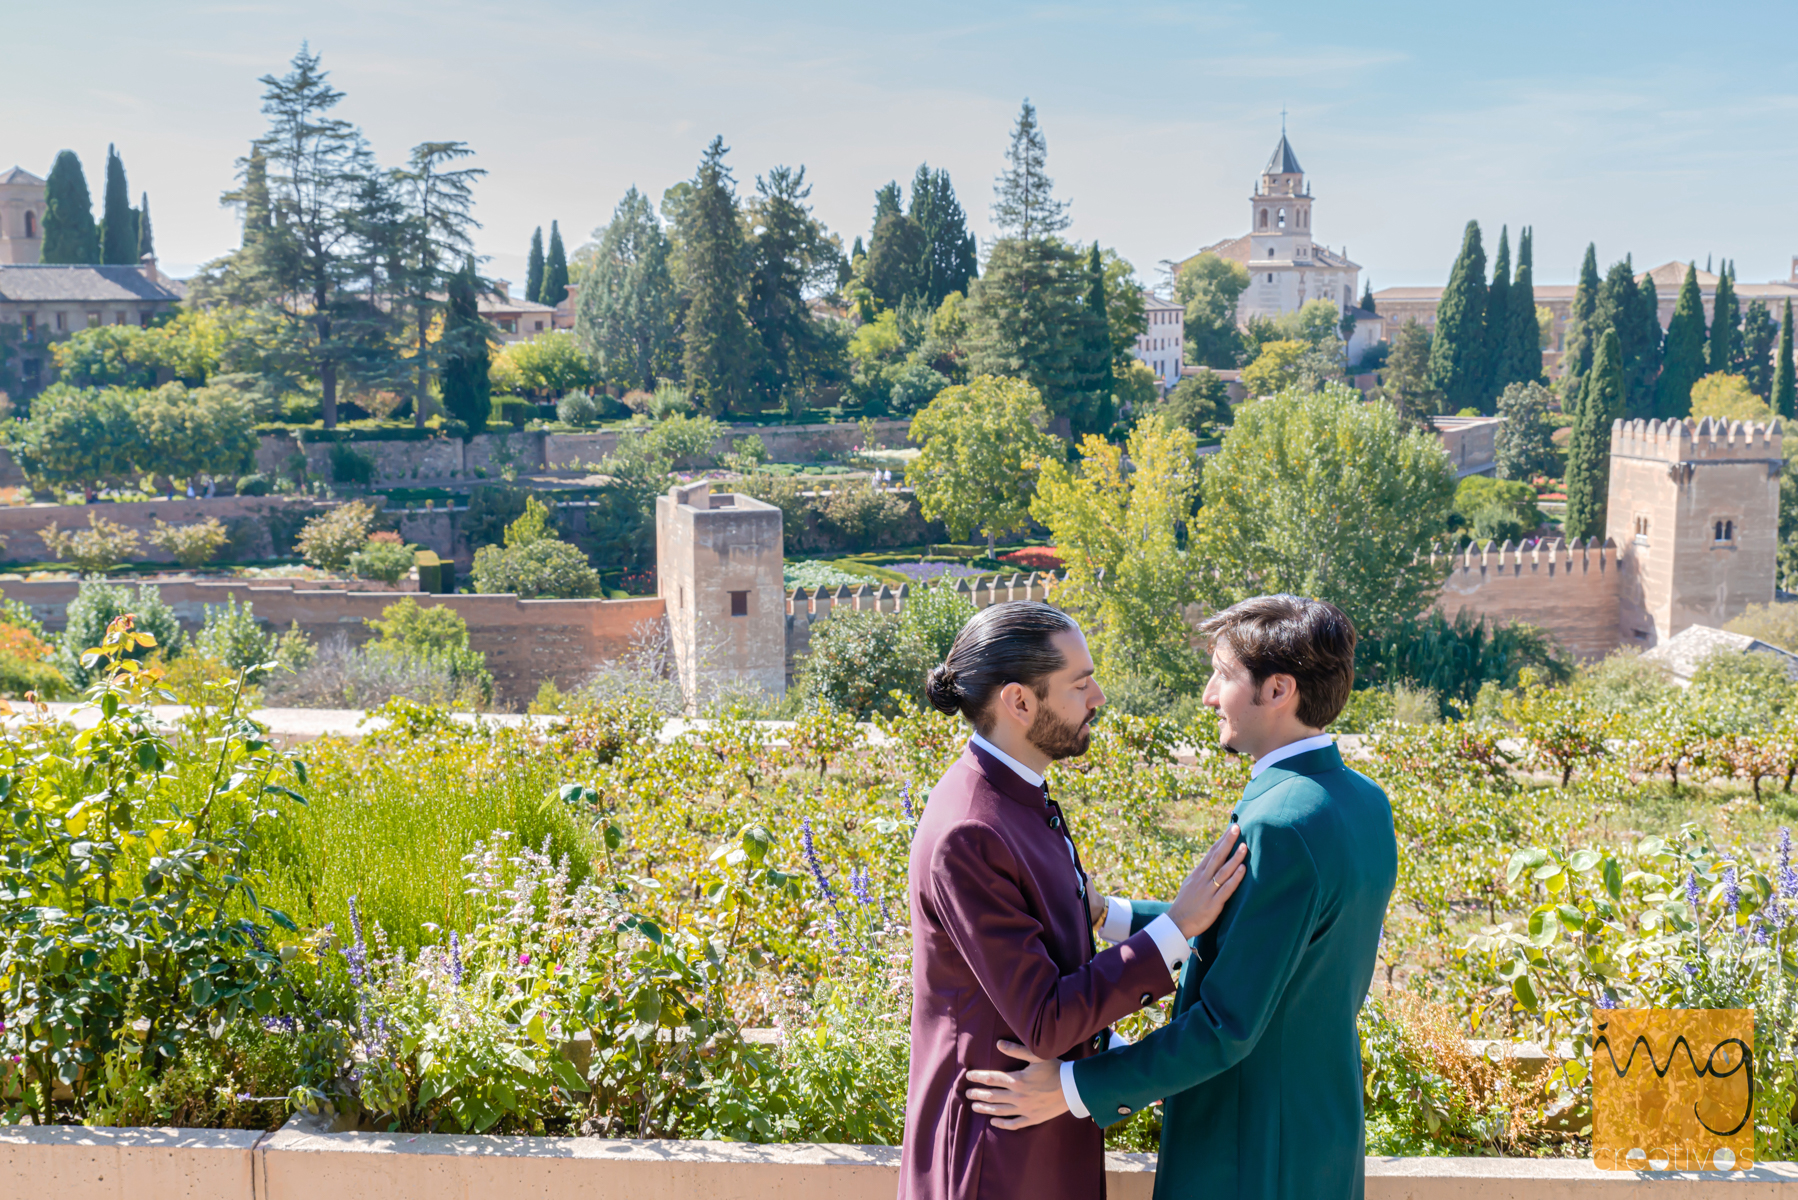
point(1002, 916)
point(1260, 1065)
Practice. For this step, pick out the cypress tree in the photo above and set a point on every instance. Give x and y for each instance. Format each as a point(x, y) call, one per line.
point(1589, 451)
point(1725, 316)
point(1523, 340)
point(1647, 319)
point(1619, 309)
point(1498, 320)
point(1098, 410)
point(716, 358)
point(467, 392)
point(555, 269)
point(533, 268)
point(1682, 353)
point(1754, 356)
point(146, 244)
point(118, 230)
point(1785, 384)
point(1367, 296)
point(70, 235)
point(1582, 337)
point(1457, 353)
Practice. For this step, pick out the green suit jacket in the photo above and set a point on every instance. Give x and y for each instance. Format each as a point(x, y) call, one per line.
point(1260, 1067)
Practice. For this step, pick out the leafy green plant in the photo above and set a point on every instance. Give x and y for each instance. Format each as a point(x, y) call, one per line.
point(93, 610)
point(191, 545)
point(385, 559)
point(95, 550)
point(327, 540)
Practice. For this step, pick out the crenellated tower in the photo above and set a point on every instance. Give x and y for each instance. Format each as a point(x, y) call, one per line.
point(1694, 510)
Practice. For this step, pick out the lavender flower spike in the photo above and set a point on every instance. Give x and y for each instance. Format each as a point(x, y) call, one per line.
point(858, 885)
point(1732, 891)
point(811, 860)
point(905, 802)
point(1693, 896)
point(455, 958)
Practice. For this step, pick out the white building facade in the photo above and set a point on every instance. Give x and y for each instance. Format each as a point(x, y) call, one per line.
point(1162, 344)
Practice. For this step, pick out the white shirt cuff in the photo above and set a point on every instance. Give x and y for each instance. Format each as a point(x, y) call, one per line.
point(1070, 1093)
point(1170, 941)
point(1116, 926)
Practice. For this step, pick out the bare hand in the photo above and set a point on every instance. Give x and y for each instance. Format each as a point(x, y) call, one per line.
point(1018, 1099)
point(1211, 883)
point(1095, 905)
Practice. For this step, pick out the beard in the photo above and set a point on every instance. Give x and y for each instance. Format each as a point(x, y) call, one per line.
point(1057, 738)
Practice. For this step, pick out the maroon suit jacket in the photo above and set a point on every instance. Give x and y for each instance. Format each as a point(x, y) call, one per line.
point(1002, 948)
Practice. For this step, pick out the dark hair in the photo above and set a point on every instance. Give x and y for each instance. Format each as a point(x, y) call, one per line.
point(1006, 643)
point(1311, 640)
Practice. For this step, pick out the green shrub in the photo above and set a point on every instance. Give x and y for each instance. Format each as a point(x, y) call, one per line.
point(95, 606)
point(1496, 510)
point(349, 465)
point(95, 550)
point(578, 409)
point(546, 570)
point(191, 545)
point(858, 659)
point(234, 637)
point(328, 540)
point(387, 561)
point(254, 484)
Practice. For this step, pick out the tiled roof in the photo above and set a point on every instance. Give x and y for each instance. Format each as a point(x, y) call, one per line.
point(42, 283)
point(493, 304)
point(20, 175)
point(1283, 161)
point(1684, 651)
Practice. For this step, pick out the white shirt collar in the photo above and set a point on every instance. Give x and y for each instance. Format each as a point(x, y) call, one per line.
point(1289, 750)
point(1023, 772)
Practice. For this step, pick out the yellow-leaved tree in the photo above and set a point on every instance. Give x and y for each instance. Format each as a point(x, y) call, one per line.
point(1117, 518)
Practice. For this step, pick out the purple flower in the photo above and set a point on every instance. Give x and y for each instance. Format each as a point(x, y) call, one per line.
point(1693, 896)
point(1604, 1000)
point(357, 953)
point(905, 802)
point(524, 960)
point(1692, 969)
point(1785, 847)
point(1732, 893)
point(858, 885)
point(1760, 930)
point(811, 860)
point(455, 958)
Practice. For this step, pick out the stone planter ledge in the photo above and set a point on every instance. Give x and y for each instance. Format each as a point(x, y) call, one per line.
point(305, 1160)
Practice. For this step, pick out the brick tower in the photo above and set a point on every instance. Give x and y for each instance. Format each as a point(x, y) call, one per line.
point(1694, 510)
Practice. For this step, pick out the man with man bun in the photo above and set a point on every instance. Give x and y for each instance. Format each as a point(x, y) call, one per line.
point(1002, 916)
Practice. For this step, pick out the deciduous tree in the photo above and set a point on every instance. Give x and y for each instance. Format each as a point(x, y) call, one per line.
point(1210, 286)
point(1524, 445)
point(982, 445)
point(1322, 494)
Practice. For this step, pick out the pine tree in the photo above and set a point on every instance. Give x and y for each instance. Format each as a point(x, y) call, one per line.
point(1725, 316)
point(1367, 296)
point(1024, 204)
point(252, 197)
point(1498, 320)
point(898, 255)
point(1589, 450)
point(1523, 339)
point(555, 269)
point(146, 244)
point(437, 224)
point(950, 260)
point(70, 235)
point(1582, 336)
point(1682, 352)
point(467, 391)
point(1458, 352)
point(717, 353)
point(1785, 383)
point(790, 250)
point(533, 268)
point(1754, 357)
point(118, 231)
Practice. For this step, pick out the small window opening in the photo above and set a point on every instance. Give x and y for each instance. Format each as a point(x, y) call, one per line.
point(739, 604)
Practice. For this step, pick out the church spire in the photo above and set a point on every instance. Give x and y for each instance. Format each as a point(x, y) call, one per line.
point(1283, 161)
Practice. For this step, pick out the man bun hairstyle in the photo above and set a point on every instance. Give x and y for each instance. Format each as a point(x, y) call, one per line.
point(1000, 644)
point(1311, 640)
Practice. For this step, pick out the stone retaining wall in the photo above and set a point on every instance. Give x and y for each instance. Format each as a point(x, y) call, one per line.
point(302, 1162)
point(260, 526)
point(525, 641)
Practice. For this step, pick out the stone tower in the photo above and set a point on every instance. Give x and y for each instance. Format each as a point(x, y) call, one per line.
point(21, 217)
point(718, 568)
point(1694, 510)
point(1280, 209)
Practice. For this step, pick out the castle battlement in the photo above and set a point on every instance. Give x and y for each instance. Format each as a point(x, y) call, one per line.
point(1548, 558)
point(1707, 440)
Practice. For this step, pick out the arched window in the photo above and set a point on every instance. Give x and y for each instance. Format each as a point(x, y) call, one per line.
point(1282, 218)
point(30, 224)
point(1264, 218)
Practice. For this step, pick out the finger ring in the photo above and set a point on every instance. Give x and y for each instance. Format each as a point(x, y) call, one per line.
point(1216, 884)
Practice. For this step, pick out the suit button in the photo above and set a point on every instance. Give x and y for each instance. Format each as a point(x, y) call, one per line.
point(1147, 998)
point(1123, 1110)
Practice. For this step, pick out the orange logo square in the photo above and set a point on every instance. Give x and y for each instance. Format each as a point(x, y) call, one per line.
point(1673, 1089)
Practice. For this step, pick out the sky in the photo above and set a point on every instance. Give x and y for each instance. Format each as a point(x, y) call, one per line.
point(1652, 129)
